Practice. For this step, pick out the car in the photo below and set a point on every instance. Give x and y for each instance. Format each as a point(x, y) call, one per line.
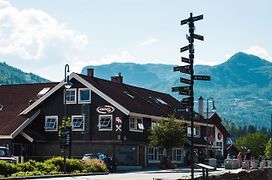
point(101, 156)
point(5, 155)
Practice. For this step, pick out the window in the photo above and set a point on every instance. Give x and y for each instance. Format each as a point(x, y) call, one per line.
point(51, 123)
point(78, 123)
point(136, 124)
point(153, 124)
point(105, 123)
point(196, 131)
point(155, 154)
point(84, 95)
point(176, 155)
point(70, 96)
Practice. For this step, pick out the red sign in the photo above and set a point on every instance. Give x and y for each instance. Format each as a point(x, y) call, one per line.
point(105, 109)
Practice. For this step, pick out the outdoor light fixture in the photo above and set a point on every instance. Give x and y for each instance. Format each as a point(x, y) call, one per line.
point(213, 110)
point(65, 131)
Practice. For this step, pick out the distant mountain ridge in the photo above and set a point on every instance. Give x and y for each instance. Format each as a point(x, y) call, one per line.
point(11, 75)
point(241, 86)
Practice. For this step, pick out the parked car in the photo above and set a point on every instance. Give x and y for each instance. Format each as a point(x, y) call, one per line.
point(5, 155)
point(101, 156)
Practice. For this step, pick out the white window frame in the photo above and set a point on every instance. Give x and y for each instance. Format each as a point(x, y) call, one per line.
point(79, 96)
point(196, 131)
point(157, 153)
point(137, 126)
point(83, 123)
point(56, 123)
point(177, 152)
point(99, 119)
point(65, 93)
point(154, 123)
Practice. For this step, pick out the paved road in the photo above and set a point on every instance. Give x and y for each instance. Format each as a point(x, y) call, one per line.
point(184, 173)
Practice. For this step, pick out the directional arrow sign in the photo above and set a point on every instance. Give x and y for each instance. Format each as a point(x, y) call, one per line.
point(180, 88)
point(186, 81)
point(175, 89)
point(185, 60)
point(199, 37)
point(201, 77)
point(186, 92)
point(185, 21)
point(185, 48)
point(186, 101)
point(184, 69)
point(196, 18)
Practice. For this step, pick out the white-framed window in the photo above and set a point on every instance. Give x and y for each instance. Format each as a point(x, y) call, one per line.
point(153, 124)
point(78, 123)
point(51, 123)
point(71, 96)
point(155, 154)
point(84, 95)
point(136, 124)
point(196, 131)
point(177, 155)
point(105, 123)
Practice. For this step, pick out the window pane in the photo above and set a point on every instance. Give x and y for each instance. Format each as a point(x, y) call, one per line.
point(84, 95)
point(105, 122)
point(70, 95)
point(132, 123)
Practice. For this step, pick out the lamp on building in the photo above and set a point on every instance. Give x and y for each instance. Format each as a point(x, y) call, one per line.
point(67, 85)
point(207, 119)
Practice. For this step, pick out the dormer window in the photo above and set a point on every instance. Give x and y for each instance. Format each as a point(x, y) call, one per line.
point(51, 123)
point(136, 124)
point(70, 96)
point(43, 91)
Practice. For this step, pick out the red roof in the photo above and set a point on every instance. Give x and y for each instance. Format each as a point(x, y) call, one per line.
point(14, 99)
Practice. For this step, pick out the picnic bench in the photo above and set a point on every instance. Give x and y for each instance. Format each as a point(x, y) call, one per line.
point(205, 169)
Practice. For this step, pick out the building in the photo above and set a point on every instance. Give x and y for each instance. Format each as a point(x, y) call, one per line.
point(106, 116)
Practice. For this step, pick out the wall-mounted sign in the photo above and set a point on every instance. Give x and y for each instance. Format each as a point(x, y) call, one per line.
point(105, 109)
point(118, 124)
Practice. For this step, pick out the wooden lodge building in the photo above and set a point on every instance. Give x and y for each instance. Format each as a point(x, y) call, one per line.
point(106, 116)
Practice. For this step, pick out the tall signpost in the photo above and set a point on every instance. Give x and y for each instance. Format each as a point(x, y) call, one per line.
point(188, 90)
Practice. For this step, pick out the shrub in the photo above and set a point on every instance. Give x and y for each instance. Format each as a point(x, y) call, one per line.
point(30, 165)
point(57, 162)
point(6, 168)
point(74, 165)
point(29, 173)
point(95, 165)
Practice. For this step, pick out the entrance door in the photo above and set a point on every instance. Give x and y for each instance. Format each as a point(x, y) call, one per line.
point(142, 155)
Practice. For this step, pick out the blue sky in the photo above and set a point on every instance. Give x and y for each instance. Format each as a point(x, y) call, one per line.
point(42, 36)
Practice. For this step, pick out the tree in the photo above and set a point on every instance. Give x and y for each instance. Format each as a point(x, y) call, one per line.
point(168, 134)
point(255, 142)
point(268, 149)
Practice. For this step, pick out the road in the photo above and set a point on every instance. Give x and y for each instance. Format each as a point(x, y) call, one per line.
point(173, 174)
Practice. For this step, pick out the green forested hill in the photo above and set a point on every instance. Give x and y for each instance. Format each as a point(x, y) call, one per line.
point(241, 86)
point(11, 75)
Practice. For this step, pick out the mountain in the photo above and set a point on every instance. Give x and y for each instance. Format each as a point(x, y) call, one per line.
point(11, 75)
point(241, 86)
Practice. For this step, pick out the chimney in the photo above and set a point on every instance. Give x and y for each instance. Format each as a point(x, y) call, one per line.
point(201, 106)
point(90, 72)
point(117, 79)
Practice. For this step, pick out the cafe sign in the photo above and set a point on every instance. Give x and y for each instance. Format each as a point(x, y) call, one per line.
point(105, 109)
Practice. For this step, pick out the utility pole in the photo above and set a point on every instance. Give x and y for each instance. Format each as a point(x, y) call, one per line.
point(188, 102)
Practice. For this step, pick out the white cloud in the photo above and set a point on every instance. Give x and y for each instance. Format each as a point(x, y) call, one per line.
point(149, 40)
point(258, 51)
point(36, 42)
point(123, 56)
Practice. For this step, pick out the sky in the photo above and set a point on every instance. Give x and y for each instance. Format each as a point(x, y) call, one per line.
point(41, 36)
